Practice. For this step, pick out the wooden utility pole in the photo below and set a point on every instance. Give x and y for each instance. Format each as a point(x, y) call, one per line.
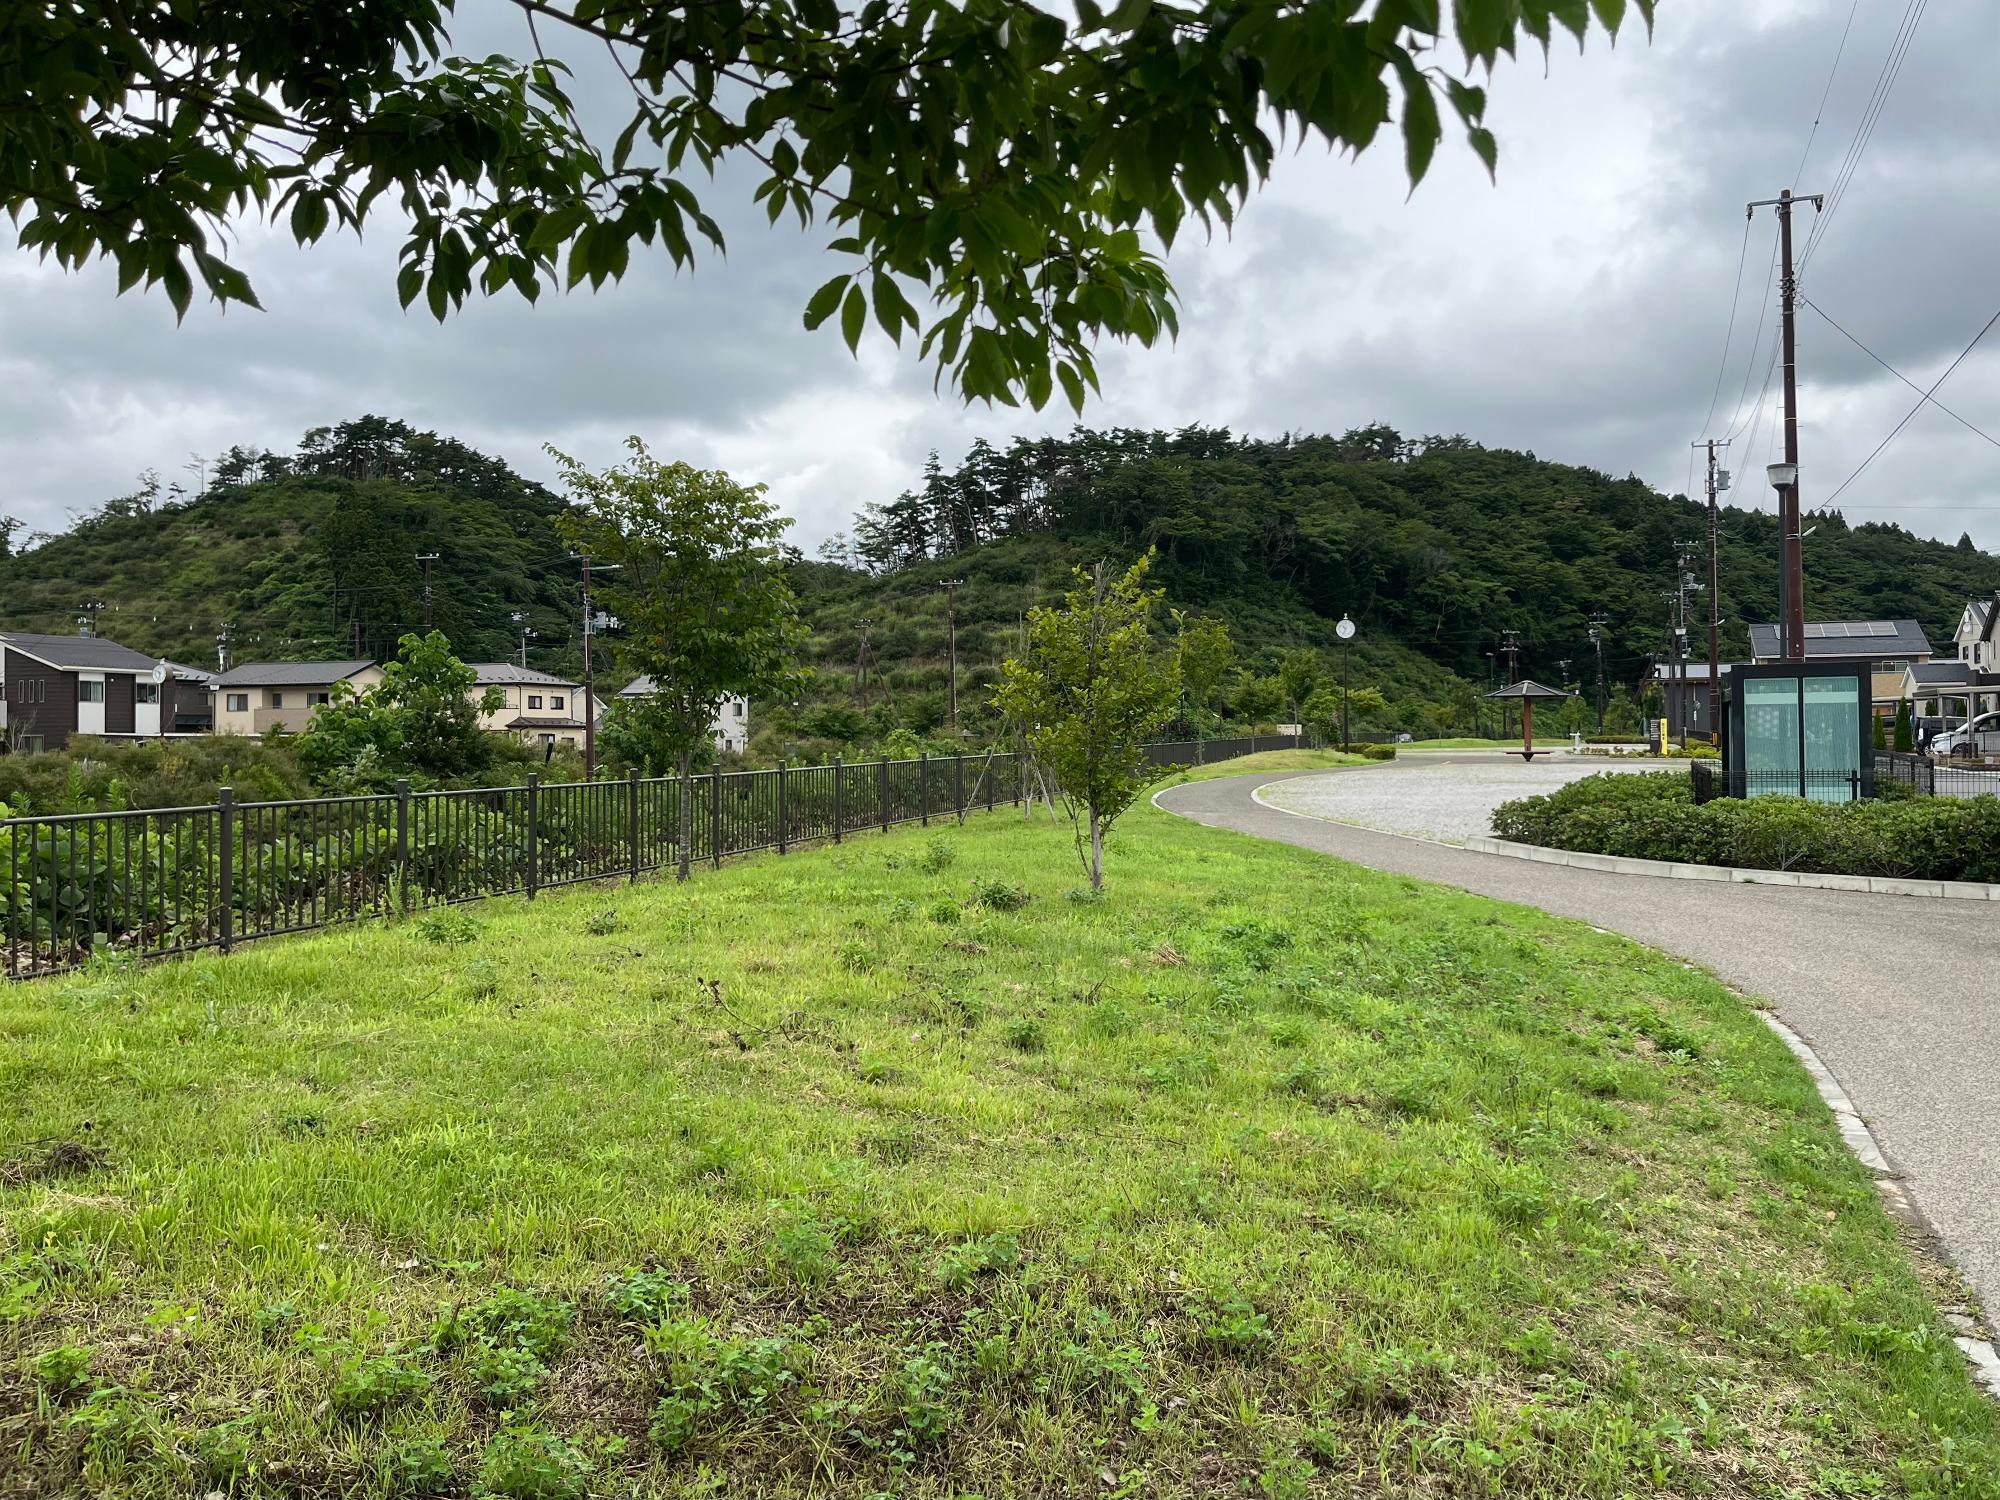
point(1716, 481)
point(1597, 623)
point(589, 684)
point(427, 558)
point(1791, 557)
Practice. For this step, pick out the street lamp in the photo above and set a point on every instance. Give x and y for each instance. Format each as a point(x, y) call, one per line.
point(1345, 630)
point(1782, 476)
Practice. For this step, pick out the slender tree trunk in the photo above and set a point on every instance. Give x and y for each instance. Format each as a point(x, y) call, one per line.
point(686, 800)
point(1096, 853)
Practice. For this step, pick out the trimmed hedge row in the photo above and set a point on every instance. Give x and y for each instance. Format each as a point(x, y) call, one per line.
point(1653, 815)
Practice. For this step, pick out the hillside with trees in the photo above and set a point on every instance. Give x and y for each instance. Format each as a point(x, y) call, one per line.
point(1434, 546)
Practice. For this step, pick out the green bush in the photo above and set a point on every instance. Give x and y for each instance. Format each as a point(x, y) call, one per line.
point(1653, 816)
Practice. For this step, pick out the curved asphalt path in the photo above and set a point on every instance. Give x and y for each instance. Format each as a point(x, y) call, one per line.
point(1899, 995)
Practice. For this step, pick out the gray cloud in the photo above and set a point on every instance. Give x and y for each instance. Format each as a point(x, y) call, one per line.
point(1575, 308)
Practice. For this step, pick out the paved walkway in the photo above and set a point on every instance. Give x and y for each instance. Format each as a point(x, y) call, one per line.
point(1897, 994)
point(1443, 797)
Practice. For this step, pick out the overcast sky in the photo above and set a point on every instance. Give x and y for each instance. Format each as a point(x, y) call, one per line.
point(1577, 308)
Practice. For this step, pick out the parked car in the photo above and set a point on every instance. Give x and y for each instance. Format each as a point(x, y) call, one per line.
point(1929, 726)
point(1979, 737)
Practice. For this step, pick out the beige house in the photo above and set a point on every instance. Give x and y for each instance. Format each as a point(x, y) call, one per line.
point(263, 695)
point(538, 708)
point(1884, 649)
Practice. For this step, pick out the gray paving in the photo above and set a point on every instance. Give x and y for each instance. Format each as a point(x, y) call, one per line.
point(1897, 994)
point(1440, 798)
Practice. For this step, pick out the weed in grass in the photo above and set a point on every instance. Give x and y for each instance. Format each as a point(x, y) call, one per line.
point(1392, 1380)
point(801, 1251)
point(1304, 1080)
point(532, 1463)
point(1232, 1324)
point(1116, 1374)
point(875, 1071)
point(645, 1296)
point(1084, 896)
point(939, 855)
point(1285, 1477)
point(705, 1375)
point(943, 911)
point(478, 982)
point(960, 1265)
point(116, 1425)
point(224, 1451)
point(62, 1371)
point(504, 1375)
point(601, 923)
point(997, 895)
point(418, 1468)
point(512, 1318)
point(369, 1385)
point(1026, 1034)
point(923, 1387)
point(446, 925)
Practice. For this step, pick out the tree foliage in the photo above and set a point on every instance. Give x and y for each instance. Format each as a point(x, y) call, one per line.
point(695, 576)
point(421, 721)
point(1088, 692)
point(1203, 653)
point(999, 161)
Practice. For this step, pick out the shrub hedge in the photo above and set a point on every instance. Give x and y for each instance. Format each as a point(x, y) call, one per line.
point(1653, 815)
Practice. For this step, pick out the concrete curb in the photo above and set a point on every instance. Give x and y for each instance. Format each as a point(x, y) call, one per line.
point(1617, 864)
point(1975, 1343)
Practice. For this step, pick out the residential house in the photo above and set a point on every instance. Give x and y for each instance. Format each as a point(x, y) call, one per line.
point(539, 708)
point(732, 717)
point(263, 695)
point(1886, 649)
point(1969, 682)
point(56, 686)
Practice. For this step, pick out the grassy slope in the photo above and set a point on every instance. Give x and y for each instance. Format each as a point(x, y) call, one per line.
point(1322, 1181)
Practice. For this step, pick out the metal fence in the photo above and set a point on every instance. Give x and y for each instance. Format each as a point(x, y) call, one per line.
point(1710, 781)
point(159, 881)
point(1937, 778)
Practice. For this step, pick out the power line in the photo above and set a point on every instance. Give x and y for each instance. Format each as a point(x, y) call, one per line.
point(1729, 333)
point(1917, 408)
point(1813, 134)
point(1871, 115)
point(1750, 365)
point(1896, 372)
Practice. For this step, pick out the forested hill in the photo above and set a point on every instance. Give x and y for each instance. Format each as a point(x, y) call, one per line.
point(1437, 544)
point(1434, 547)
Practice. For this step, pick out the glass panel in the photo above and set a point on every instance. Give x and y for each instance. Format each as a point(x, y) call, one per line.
point(1771, 736)
point(1833, 712)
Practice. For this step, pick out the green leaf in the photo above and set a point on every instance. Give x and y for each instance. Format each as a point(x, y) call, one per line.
point(824, 301)
point(1488, 149)
point(853, 317)
point(1420, 118)
point(1072, 385)
point(892, 310)
point(409, 282)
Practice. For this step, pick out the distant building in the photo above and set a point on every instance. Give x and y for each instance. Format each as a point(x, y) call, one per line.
point(264, 695)
point(732, 717)
point(55, 686)
point(537, 707)
point(1684, 689)
point(1887, 649)
point(1967, 683)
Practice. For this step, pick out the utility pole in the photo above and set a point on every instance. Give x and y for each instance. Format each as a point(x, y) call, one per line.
point(355, 622)
point(87, 627)
point(520, 620)
point(1597, 623)
point(222, 646)
point(864, 655)
point(1791, 555)
point(1510, 647)
point(589, 674)
point(951, 586)
point(427, 558)
point(1718, 480)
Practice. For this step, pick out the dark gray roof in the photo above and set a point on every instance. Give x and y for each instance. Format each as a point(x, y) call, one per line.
point(638, 687)
point(524, 722)
point(1527, 687)
point(79, 652)
point(495, 673)
point(191, 674)
point(1842, 638)
point(1927, 673)
point(289, 673)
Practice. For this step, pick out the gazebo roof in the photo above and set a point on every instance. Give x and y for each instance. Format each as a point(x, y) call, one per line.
point(1527, 687)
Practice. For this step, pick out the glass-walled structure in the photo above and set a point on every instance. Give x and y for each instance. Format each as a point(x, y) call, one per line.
point(1799, 729)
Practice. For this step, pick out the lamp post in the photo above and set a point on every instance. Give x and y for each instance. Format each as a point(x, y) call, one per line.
point(1784, 479)
point(1345, 630)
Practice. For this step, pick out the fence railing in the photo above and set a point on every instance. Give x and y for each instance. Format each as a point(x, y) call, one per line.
point(1710, 780)
point(1937, 778)
point(158, 881)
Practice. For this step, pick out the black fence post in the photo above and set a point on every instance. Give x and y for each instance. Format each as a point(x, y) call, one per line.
point(225, 809)
point(837, 816)
point(924, 787)
point(534, 832)
point(632, 808)
point(403, 845)
point(782, 819)
point(715, 815)
point(882, 801)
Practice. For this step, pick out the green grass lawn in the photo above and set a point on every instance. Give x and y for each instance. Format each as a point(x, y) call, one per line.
point(901, 1168)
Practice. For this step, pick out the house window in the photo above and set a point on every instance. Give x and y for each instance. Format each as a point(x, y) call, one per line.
point(145, 692)
point(237, 703)
point(29, 690)
point(88, 691)
point(31, 744)
point(534, 700)
point(277, 700)
point(318, 700)
point(555, 702)
point(739, 708)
